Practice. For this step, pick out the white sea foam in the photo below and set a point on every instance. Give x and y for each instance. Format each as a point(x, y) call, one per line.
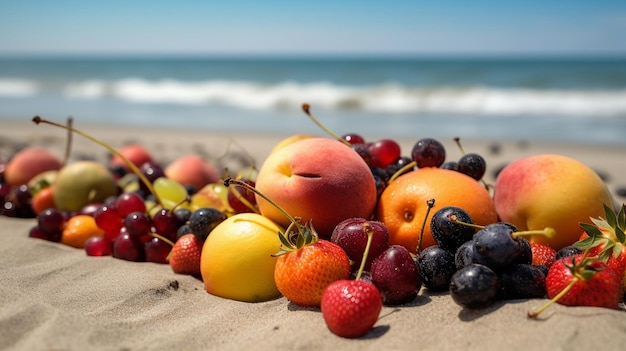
point(17, 88)
point(388, 98)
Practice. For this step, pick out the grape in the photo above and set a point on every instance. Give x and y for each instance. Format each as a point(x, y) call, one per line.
point(21, 195)
point(138, 224)
point(472, 165)
point(5, 189)
point(428, 152)
point(464, 255)
point(99, 246)
point(129, 202)
point(37, 233)
point(156, 250)
point(384, 152)
point(107, 218)
point(569, 250)
point(203, 220)
point(128, 247)
point(50, 220)
point(152, 172)
point(166, 223)
point(353, 138)
point(169, 191)
point(183, 214)
point(451, 165)
point(364, 152)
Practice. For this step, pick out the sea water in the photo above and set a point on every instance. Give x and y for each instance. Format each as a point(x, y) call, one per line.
point(561, 99)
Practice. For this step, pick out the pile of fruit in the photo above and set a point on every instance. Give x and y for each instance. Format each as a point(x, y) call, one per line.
point(338, 223)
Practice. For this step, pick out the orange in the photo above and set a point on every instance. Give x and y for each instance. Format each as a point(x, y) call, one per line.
point(403, 204)
point(78, 229)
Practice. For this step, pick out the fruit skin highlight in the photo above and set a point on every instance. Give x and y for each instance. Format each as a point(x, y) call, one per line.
point(317, 179)
point(403, 204)
point(237, 261)
point(550, 190)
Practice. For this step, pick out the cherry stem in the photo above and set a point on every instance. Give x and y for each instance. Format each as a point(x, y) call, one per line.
point(370, 234)
point(68, 144)
point(132, 166)
point(244, 200)
point(306, 108)
point(229, 181)
point(430, 203)
point(535, 313)
point(548, 232)
point(402, 170)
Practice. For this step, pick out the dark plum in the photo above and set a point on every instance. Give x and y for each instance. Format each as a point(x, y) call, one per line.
point(496, 247)
point(472, 165)
point(523, 281)
point(446, 229)
point(436, 267)
point(203, 220)
point(474, 286)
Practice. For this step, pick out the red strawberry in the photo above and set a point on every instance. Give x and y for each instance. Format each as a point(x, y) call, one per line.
point(543, 255)
point(302, 275)
point(580, 280)
point(185, 255)
point(606, 239)
point(351, 307)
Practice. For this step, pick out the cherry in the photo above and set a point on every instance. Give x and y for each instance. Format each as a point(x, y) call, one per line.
point(107, 218)
point(99, 246)
point(397, 276)
point(50, 220)
point(351, 235)
point(384, 152)
point(472, 165)
point(138, 224)
point(127, 203)
point(166, 223)
point(353, 138)
point(428, 152)
point(436, 267)
point(449, 227)
point(242, 200)
point(474, 286)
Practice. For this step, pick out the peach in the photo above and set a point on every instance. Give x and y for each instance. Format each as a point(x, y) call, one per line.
point(192, 170)
point(29, 162)
point(550, 190)
point(290, 140)
point(317, 179)
point(135, 153)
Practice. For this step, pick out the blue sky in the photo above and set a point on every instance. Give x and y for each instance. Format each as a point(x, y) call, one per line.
point(441, 27)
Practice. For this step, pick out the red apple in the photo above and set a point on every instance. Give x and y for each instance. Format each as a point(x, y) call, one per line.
point(317, 179)
point(28, 163)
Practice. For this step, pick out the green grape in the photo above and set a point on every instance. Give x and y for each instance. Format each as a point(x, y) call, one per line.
point(169, 192)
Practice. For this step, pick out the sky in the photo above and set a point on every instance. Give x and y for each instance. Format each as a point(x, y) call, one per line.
point(326, 27)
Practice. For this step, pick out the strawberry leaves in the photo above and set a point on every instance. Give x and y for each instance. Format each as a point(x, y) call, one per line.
point(608, 232)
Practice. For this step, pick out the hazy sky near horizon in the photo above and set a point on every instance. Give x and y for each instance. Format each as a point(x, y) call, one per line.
point(442, 27)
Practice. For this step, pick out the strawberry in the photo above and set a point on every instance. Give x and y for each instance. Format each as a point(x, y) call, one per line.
point(605, 238)
point(185, 255)
point(302, 273)
point(351, 307)
point(581, 280)
point(543, 255)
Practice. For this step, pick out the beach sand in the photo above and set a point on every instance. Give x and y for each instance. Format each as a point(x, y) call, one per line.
point(54, 297)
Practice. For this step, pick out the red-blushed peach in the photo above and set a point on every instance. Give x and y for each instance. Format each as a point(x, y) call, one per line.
point(29, 162)
point(550, 190)
point(317, 179)
point(290, 140)
point(192, 170)
point(135, 153)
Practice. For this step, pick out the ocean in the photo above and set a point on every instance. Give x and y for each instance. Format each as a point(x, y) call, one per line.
point(572, 100)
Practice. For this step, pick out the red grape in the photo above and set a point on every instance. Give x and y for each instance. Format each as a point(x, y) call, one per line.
point(384, 152)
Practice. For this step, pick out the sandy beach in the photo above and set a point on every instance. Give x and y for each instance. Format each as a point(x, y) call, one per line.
point(54, 297)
